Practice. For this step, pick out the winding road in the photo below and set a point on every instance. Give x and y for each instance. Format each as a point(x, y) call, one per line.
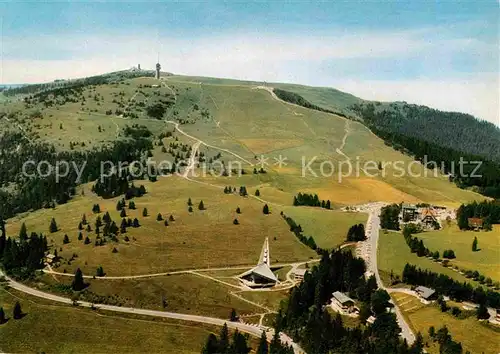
point(250, 329)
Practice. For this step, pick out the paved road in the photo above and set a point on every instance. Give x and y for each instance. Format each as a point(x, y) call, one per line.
point(250, 329)
point(373, 228)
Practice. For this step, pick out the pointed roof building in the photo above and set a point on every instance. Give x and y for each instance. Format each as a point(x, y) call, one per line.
point(261, 275)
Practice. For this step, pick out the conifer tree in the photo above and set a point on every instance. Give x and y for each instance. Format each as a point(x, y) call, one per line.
point(171, 217)
point(53, 226)
point(100, 271)
point(233, 317)
point(265, 209)
point(263, 347)
point(189, 203)
point(145, 212)
point(17, 313)
point(238, 210)
point(190, 209)
point(23, 233)
point(87, 240)
point(159, 217)
point(123, 213)
point(80, 236)
point(78, 284)
point(2, 316)
point(257, 193)
point(66, 239)
point(224, 339)
point(201, 206)
point(211, 345)
point(474, 244)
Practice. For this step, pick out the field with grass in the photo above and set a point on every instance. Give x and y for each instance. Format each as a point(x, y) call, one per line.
point(475, 336)
point(486, 261)
point(52, 328)
point(199, 239)
point(183, 293)
point(246, 120)
point(328, 228)
point(393, 253)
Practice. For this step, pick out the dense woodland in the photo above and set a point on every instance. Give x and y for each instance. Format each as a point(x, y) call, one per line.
point(21, 257)
point(456, 131)
point(452, 140)
point(489, 211)
point(297, 99)
point(36, 191)
point(310, 200)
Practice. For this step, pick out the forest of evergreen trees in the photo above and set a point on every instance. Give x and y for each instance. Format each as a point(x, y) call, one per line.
point(115, 185)
point(489, 211)
point(21, 257)
point(297, 99)
point(451, 130)
point(449, 139)
point(310, 200)
point(445, 285)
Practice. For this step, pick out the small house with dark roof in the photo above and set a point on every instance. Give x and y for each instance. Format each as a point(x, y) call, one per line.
point(342, 300)
point(409, 212)
point(426, 293)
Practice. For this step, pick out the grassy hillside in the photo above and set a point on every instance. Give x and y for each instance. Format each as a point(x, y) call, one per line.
point(201, 239)
point(52, 328)
point(393, 253)
point(475, 336)
point(485, 261)
point(328, 228)
point(246, 121)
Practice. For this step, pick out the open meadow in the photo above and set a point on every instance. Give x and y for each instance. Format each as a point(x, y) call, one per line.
point(244, 122)
point(327, 227)
point(54, 328)
point(475, 336)
point(194, 240)
point(486, 260)
point(393, 253)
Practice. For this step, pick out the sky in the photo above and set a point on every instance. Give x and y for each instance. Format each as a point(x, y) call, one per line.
point(444, 54)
